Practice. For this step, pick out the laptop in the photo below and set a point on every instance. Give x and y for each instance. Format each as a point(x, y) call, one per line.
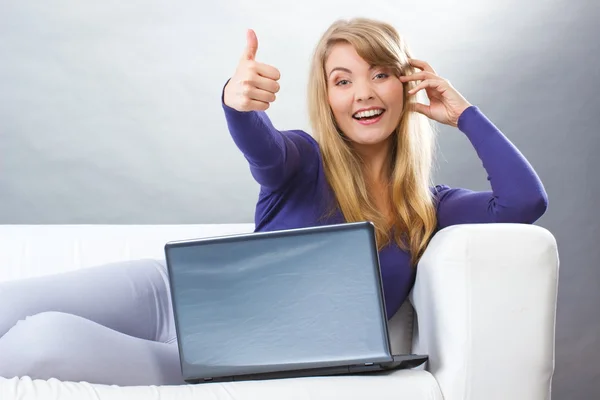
point(289, 303)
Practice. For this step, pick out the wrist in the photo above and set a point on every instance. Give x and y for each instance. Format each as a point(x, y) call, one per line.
point(460, 113)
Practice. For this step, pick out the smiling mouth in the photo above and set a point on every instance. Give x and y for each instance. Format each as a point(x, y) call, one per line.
point(368, 115)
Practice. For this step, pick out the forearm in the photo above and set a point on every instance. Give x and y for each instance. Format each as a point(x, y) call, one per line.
point(515, 184)
point(274, 156)
point(254, 134)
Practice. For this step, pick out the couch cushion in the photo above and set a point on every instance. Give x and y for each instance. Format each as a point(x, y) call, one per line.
point(408, 384)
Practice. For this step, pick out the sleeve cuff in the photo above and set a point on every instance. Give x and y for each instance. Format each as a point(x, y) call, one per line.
point(475, 125)
point(225, 106)
point(470, 113)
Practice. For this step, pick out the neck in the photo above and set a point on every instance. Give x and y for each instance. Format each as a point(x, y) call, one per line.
point(375, 161)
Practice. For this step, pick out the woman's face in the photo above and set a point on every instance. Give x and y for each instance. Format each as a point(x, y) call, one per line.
point(354, 86)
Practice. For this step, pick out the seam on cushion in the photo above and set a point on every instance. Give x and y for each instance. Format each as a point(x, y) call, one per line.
point(469, 319)
point(411, 327)
point(434, 388)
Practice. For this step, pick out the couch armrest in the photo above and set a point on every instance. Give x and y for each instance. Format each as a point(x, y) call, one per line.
point(485, 299)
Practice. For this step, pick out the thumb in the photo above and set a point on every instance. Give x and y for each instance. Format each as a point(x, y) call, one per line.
point(422, 109)
point(251, 45)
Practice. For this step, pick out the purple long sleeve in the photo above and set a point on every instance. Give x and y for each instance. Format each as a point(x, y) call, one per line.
point(517, 195)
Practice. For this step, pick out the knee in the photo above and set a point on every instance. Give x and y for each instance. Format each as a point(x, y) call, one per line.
point(35, 345)
point(144, 263)
point(146, 267)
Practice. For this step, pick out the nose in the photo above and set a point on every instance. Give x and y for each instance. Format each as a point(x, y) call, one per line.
point(364, 91)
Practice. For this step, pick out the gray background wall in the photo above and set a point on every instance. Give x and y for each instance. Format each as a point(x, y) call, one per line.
point(110, 113)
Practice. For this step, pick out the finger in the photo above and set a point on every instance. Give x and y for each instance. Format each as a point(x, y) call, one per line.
point(418, 76)
point(421, 65)
point(428, 83)
point(255, 105)
point(251, 45)
point(267, 71)
point(260, 95)
point(266, 84)
point(422, 109)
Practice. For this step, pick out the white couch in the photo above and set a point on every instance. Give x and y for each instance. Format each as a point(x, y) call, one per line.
point(485, 302)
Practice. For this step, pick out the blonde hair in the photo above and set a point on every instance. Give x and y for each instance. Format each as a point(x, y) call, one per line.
point(411, 154)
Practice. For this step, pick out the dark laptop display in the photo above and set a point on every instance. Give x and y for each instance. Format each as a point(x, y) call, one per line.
point(287, 303)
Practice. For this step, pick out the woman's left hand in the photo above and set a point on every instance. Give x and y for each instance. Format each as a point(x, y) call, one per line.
point(445, 103)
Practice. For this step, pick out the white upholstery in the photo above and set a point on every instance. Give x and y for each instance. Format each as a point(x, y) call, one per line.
point(485, 299)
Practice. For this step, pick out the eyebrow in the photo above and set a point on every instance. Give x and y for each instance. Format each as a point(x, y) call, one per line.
point(346, 69)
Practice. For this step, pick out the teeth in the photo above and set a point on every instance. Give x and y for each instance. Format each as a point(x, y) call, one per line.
point(369, 113)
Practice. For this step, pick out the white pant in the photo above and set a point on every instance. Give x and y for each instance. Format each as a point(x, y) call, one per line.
point(111, 324)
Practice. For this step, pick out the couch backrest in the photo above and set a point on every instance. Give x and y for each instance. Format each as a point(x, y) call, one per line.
point(35, 250)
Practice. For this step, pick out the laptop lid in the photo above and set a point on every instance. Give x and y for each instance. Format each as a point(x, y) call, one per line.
point(277, 301)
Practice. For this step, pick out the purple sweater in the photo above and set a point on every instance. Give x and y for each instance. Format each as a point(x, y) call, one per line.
point(294, 192)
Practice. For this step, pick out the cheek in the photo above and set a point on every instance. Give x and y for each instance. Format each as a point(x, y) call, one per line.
point(394, 96)
point(339, 105)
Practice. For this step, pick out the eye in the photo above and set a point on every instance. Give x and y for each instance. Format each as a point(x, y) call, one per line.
point(383, 74)
point(340, 81)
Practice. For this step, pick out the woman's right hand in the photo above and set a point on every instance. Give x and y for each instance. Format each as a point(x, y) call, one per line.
point(253, 86)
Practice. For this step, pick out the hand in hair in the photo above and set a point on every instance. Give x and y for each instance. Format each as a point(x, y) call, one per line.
point(254, 84)
point(446, 104)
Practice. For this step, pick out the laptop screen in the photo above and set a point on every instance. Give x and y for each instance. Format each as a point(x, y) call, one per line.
point(280, 300)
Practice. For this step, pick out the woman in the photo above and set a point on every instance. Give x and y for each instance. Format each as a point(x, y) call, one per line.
point(371, 161)
point(373, 154)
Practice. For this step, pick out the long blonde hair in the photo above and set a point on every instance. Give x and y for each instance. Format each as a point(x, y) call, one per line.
point(411, 152)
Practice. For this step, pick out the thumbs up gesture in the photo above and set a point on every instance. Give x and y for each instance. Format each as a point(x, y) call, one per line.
point(253, 86)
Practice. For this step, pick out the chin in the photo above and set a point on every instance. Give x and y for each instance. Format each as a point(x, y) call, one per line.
point(368, 141)
point(369, 135)
point(367, 138)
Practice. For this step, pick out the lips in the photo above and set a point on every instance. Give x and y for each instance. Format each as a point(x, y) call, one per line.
point(367, 109)
point(370, 121)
